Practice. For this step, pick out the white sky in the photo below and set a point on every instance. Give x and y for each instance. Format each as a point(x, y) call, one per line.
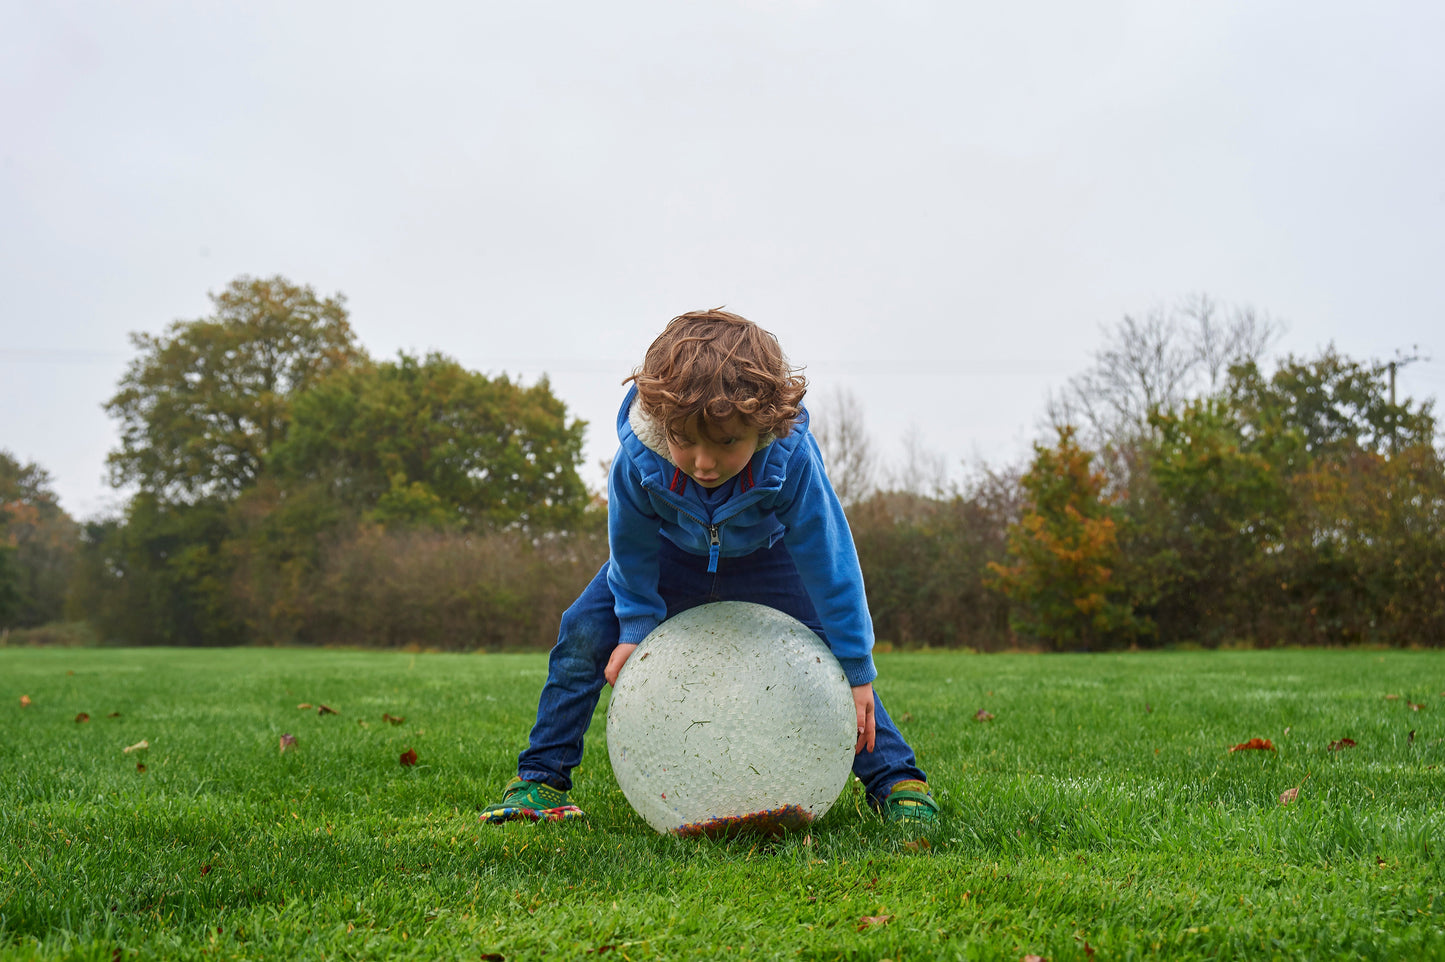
point(934, 205)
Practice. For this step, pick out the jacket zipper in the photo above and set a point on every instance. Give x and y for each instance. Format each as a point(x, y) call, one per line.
point(714, 543)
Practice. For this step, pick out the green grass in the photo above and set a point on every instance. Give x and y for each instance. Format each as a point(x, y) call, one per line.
point(1076, 815)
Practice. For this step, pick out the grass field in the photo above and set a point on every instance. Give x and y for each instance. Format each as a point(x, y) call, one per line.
point(1099, 814)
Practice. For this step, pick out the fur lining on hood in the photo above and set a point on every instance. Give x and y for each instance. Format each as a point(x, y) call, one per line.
point(653, 433)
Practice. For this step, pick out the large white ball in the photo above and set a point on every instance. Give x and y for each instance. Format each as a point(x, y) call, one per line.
point(731, 717)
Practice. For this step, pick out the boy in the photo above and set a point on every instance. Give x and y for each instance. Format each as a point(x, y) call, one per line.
point(717, 494)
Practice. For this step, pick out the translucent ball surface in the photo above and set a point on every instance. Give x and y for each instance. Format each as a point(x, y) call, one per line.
point(731, 716)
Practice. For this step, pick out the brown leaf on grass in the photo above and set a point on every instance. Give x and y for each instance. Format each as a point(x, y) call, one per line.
point(140, 767)
point(1414, 706)
point(1288, 795)
point(24, 701)
point(205, 868)
point(325, 710)
point(139, 746)
point(918, 845)
point(1254, 744)
point(82, 718)
point(1411, 739)
point(394, 719)
point(114, 714)
point(1392, 698)
point(1343, 743)
point(1035, 958)
point(1148, 708)
point(1088, 949)
point(305, 706)
point(287, 740)
point(983, 714)
point(408, 757)
point(869, 921)
point(493, 957)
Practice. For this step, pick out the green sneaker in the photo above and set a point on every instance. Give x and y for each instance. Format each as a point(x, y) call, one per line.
point(530, 800)
point(910, 802)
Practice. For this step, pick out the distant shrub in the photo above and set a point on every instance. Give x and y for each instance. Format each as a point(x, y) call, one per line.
point(376, 586)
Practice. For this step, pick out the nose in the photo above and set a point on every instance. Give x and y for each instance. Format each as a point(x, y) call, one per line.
point(704, 459)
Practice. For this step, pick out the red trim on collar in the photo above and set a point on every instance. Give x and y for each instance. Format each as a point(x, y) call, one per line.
point(746, 481)
point(679, 481)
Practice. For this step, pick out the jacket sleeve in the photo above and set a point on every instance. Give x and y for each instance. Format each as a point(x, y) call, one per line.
point(633, 542)
point(822, 546)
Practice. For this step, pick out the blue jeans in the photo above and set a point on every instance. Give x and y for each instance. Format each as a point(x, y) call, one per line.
point(590, 632)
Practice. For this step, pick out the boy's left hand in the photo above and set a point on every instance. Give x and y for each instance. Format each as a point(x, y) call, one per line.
point(863, 702)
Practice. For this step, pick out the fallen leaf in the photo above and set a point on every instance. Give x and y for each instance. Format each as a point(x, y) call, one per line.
point(1392, 698)
point(869, 921)
point(920, 845)
point(1411, 739)
point(905, 718)
point(1415, 707)
point(1148, 708)
point(394, 719)
point(141, 745)
point(493, 957)
point(1288, 795)
point(1088, 949)
point(1035, 958)
point(114, 714)
point(82, 718)
point(205, 869)
point(1342, 743)
point(140, 767)
point(304, 706)
point(287, 740)
point(1259, 744)
point(1286, 729)
point(983, 715)
point(24, 701)
point(325, 710)
point(408, 757)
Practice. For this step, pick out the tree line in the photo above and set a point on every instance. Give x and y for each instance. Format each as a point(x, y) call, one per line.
point(287, 488)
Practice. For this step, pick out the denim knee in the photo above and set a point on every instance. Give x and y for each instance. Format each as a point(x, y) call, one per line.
point(583, 646)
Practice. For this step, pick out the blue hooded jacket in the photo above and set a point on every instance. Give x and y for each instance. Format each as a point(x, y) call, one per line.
point(783, 494)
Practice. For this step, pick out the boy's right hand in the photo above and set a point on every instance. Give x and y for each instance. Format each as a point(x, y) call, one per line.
point(620, 654)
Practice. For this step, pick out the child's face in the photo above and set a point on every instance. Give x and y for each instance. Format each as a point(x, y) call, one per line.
point(714, 456)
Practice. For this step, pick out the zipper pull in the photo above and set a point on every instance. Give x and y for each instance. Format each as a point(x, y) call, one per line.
point(714, 549)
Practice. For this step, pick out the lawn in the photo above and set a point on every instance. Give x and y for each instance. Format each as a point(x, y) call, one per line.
point(1098, 814)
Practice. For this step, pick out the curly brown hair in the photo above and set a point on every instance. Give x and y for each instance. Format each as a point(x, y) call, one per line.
point(715, 364)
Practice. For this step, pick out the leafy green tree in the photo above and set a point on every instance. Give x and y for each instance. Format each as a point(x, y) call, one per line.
point(1202, 524)
point(427, 442)
point(1064, 551)
point(159, 575)
point(1335, 404)
point(37, 546)
point(204, 403)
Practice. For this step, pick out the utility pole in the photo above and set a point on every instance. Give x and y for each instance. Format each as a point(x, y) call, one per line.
point(1400, 361)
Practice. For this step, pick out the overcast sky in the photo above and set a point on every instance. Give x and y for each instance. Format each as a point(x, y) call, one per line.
point(933, 205)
